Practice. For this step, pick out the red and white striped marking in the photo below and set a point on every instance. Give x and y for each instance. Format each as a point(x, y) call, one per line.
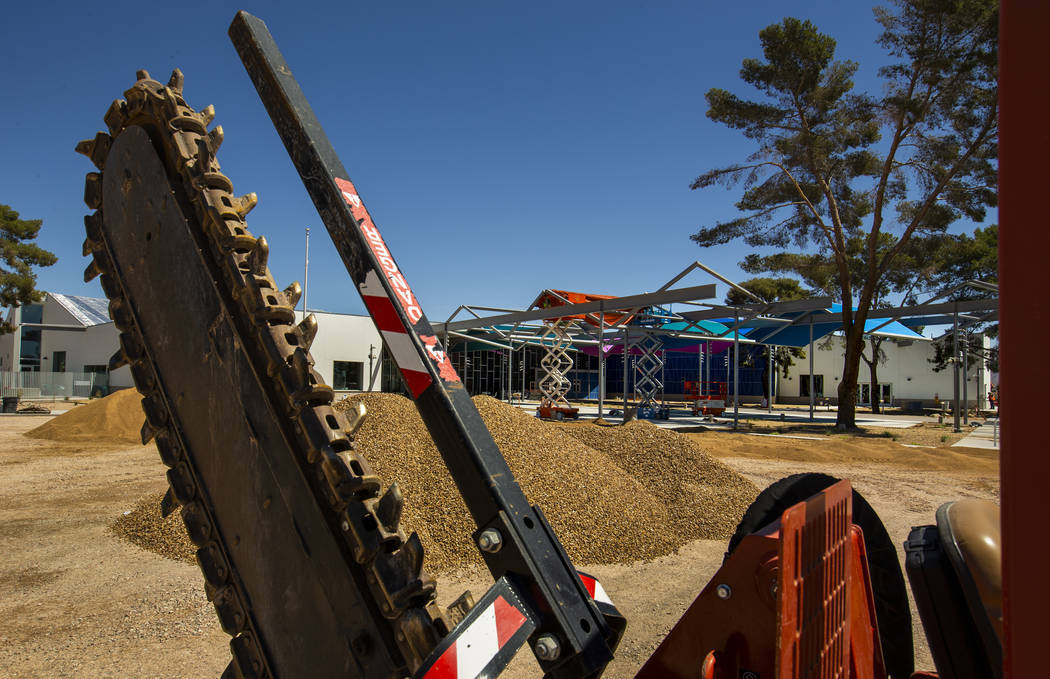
point(595, 589)
point(382, 307)
point(478, 644)
point(394, 335)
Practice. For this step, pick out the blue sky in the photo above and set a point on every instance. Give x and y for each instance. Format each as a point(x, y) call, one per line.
point(502, 148)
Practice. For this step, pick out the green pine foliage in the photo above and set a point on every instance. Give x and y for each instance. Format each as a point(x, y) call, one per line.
point(18, 254)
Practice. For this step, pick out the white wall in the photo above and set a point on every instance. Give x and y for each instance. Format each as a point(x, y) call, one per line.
point(94, 345)
point(340, 337)
point(907, 368)
point(346, 337)
point(7, 342)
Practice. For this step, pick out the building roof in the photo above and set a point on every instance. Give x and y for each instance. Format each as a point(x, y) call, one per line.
point(88, 311)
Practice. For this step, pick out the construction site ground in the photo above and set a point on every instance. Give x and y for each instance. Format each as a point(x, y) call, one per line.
point(77, 601)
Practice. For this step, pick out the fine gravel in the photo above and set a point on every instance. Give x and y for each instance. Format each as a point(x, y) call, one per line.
point(614, 494)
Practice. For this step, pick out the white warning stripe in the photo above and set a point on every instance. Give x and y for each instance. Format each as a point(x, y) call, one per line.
point(600, 595)
point(372, 286)
point(405, 354)
point(478, 644)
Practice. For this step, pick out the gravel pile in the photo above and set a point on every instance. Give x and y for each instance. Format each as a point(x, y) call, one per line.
point(705, 498)
point(143, 525)
point(600, 513)
point(614, 494)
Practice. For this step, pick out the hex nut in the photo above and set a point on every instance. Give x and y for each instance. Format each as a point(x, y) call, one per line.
point(547, 648)
point(490, 540)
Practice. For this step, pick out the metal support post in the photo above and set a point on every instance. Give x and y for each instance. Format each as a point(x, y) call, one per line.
point(736, 367)
point(769, 400)
point(306, 272)
point(601, 359)
point(707, 359)
point(965, 379)
point(626, 350)
point(955, 372)
point(812, 382)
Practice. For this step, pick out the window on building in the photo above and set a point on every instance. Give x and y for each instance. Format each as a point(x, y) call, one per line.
point(58, 361)
point(95, 369)
point(29, 352)
point(346, 375)
point(818, 385)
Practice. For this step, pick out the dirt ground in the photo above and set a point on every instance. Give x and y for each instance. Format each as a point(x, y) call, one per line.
point(75, 600)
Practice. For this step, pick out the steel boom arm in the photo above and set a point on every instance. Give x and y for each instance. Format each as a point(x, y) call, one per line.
point(529, 556)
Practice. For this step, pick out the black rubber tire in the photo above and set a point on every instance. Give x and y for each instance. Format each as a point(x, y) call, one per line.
point(887, 580)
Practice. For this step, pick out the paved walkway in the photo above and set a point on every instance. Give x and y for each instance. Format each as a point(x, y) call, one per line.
point(682, 417)
point(984, 436)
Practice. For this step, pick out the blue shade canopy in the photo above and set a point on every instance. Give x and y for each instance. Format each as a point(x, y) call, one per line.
point(780, 332)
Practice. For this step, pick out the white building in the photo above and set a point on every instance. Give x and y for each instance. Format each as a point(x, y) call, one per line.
point(907, 375)
point(62, 347)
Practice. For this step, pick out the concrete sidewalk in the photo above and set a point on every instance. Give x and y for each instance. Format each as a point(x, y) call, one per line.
point(682, 417)
point(983, 436)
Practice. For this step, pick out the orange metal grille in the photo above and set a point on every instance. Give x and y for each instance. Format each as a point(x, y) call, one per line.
point(815, 554)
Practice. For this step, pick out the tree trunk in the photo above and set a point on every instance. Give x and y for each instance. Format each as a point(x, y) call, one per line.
point(846, 419)
point(765, 377)
point(873, 367)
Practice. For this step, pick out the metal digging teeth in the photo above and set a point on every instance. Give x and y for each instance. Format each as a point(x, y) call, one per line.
point(344, 482)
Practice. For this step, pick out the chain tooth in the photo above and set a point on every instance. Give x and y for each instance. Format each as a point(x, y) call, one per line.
point(355, 418)
point(307, 330)
point(168, 504)
point(147, 432)
point(92, 271)
point(259, 256)
point(118, 360)
point(90, 247)
point(292, 293)
point(245, 204)
point(96, 149)
point(176, 80)
point(215, 139)
point(208, 114)
point(142, 74)
point(116, 116)
point(93, 190)
point(388, 510)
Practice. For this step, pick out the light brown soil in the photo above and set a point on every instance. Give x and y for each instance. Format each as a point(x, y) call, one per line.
point(76, 600)
point(116, 418)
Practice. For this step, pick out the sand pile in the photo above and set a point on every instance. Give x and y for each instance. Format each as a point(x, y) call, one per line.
point(116, 418)
point(614, 494)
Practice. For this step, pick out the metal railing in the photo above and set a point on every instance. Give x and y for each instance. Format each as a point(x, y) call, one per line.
point(31, 386)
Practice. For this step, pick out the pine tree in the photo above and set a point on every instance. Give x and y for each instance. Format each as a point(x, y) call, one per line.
point(853, 179)
point(18, 256)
